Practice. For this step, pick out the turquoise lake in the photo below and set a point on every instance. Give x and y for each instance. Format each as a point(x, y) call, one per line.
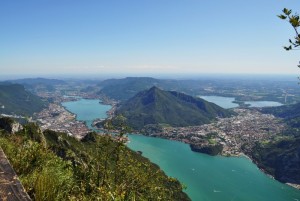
point(87, 110)
point(207, 178)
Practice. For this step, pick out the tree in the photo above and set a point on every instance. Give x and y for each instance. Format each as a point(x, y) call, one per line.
point(294, 20)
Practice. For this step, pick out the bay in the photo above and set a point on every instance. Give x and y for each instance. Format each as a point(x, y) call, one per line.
point(207, 178)
point(87, 110)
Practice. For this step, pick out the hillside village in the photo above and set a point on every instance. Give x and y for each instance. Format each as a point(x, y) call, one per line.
point(247, 128)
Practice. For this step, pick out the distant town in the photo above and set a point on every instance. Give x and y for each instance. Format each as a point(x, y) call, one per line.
point(248, 127)
point(57, 118)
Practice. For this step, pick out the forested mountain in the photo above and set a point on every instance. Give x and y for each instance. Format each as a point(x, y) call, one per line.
point(14, 99)
point(155, 106)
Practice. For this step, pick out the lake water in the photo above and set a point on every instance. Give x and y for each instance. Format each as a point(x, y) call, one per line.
point(87, 110)
point(224, 102)
point(227, 102)
point(263, 103)
point(207, 178)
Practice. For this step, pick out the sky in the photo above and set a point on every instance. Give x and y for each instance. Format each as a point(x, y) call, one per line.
point(141, 37)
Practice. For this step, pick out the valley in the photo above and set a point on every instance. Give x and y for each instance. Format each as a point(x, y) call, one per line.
point(235, 132)
point(236, 177)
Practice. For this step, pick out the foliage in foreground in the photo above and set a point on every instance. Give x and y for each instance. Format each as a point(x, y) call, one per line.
point(294, 21)
point(54, 166)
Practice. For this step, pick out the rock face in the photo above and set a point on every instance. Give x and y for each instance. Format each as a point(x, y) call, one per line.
point(156, 106)
point(16, 127)
point(10, 125)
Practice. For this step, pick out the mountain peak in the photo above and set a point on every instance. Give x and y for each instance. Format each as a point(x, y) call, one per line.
point(156, 106)
point(154, 88)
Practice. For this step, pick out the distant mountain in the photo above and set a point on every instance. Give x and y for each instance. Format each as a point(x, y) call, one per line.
point(290, 113)
point(123, 89)
point(36, 81)
point(14, 99)
point(38, 84)
point(155, 106)
point(242, 88)
point(126, 88)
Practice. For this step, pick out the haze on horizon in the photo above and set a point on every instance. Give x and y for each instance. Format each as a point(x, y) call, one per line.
point(145, 37)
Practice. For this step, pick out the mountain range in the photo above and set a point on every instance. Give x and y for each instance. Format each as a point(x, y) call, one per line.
point(126, 88)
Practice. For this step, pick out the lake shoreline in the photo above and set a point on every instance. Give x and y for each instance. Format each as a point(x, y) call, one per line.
point(241, 154)
point(192, 190)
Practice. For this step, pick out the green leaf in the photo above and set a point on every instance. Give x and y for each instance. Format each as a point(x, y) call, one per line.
point(287, 11)
point(294, 21)
point(282, 17)
point(288, 48)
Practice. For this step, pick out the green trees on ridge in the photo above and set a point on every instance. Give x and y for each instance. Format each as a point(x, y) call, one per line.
point(55, 166)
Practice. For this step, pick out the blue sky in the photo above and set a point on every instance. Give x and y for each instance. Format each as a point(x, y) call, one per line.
point(47, 37)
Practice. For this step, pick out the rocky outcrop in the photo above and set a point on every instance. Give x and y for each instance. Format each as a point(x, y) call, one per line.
point(15, 127)
point(10, 125)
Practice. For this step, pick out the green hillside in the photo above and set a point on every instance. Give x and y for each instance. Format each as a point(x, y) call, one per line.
point(290, 113)
point(280, 157)
point(14, 99)
point(55, 166)
point(155, 106)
